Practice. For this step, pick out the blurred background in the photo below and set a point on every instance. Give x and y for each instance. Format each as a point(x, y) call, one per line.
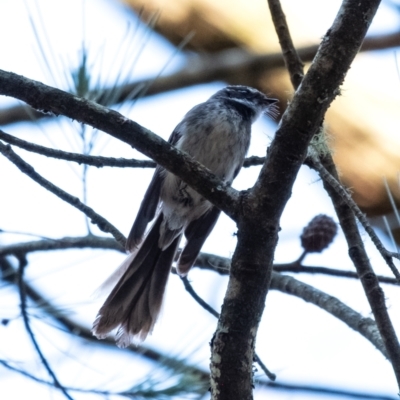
point(152, 61)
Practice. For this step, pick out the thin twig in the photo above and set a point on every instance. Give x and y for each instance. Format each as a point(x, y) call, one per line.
point(286, 284)
point(64, 243)
point(27, 169)
point(310, 269)
point(253, 160)
point(10, 274)
point(22, 296)
point(208, 261)
point(81, 331)
point(292, 60)
point(365, 326)
point(270, 385)
point(338, 187)
point(96, 161)
point(132, 393)
point(207, 307)
point(197, 298)
point(374, 293)
point(221, 265)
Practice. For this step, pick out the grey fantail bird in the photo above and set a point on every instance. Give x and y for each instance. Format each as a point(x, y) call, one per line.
point(217, 134)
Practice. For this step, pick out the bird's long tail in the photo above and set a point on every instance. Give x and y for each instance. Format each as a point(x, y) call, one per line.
point(135, 302)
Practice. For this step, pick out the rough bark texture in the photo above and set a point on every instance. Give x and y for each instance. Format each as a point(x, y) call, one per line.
point(262, 206)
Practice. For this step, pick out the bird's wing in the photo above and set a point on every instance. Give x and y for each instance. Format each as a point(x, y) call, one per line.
point(151, 199)
point(196, 234)
point(147, 210)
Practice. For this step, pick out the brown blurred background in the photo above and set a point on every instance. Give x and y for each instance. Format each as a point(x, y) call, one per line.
point(363, 122)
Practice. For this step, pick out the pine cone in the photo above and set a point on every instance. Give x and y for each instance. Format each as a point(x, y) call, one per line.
point(318, 234)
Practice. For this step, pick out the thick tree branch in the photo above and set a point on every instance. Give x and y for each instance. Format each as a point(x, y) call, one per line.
point(56, 101)
point(262, 206)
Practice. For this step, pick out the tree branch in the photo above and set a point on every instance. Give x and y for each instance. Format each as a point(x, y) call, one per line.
point(286, 284)
point(205, 260)
point(25, 317)
point(10, 274)
point(292, 60)
point(357, 251)
point(262, 206)
point(271, 385)
point(364, 326)
point(222, 265)
point(95, 218)
point(207, 307)
point(208, 261)
point(201, 179)
point(259, 210)
point(342, 192)
point(95, 161)
point(65, 243)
